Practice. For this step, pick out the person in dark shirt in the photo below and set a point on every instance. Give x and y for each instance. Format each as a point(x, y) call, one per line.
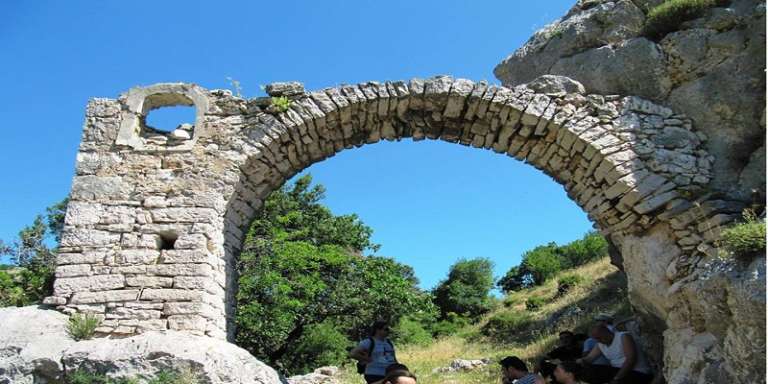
point(569, 349)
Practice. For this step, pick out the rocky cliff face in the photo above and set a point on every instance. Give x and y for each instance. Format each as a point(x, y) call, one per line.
point(711, 69)
point(708, 327)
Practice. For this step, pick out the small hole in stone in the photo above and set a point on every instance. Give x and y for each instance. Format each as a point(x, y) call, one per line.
point(168, 241)
point(169, 119)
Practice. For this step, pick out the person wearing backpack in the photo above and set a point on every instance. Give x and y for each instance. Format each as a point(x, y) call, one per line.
point(375, 353)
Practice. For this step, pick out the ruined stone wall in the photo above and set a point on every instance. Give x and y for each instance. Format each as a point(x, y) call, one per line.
point(156, 220)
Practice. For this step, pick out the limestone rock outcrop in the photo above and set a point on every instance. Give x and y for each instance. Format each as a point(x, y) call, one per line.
point(35, 348)
point(709, 325)
point(32, 342)
point(711, 69)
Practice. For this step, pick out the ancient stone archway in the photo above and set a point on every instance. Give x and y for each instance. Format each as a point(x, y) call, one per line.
point(155, 222)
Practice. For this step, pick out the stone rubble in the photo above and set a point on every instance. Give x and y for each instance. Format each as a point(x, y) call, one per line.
point(462, 365)
point(322, 375)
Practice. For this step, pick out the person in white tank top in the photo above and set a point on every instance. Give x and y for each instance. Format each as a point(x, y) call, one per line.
point(628, 365)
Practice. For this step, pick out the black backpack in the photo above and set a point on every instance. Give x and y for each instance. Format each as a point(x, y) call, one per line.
point(360, 365)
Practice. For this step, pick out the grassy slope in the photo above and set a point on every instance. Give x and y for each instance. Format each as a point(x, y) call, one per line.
point(604, 290)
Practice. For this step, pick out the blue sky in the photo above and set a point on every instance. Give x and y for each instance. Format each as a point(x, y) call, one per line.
point(429, 203)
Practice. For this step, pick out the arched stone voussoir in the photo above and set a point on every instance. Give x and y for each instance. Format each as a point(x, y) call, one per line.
point(153, 234)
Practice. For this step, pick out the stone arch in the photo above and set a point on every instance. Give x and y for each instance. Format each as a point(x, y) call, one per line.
point(630, 164)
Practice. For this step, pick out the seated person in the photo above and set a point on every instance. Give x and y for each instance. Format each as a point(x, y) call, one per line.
point(628, 365)
point(515, 371)
point(399, 376)
point(589, 344)
point(569, 349)
point(390, 369)
point(568, 372)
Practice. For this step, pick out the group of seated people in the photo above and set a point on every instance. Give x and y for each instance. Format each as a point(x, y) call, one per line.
point(607, 356)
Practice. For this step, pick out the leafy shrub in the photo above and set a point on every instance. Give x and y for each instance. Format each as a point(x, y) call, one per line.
point(511, 301)
point(535, 302)
point(320, 345)
point(82, 326)
point(411, 331)
point(30, 278)
point(507, 326)
point(565, 283)
point(12, 290)
point(744, 239)
point(668, 16)
point(281, 103)
point(590, 247)
point(451, 325)
point(543, 262)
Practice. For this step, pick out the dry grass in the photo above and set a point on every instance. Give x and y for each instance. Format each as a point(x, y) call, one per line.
point(603, 290)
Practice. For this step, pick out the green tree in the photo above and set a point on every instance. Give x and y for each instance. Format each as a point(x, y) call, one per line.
point(302, 270)
point(33, 259)
point(517, 278)
point(589, 248)
point(294, 213)
point(465, 290)
point(543, 262)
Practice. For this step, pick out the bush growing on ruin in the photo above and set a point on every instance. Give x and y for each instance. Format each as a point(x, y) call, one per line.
point(281, 103)
point(745, 239)
point(82, 326)
point(667, 16)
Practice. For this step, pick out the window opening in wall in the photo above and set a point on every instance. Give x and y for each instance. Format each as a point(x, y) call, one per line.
point(176, 120)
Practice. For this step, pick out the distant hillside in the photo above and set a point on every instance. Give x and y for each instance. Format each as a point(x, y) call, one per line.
point(513, 328)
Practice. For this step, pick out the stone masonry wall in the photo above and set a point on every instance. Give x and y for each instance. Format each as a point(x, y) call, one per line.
point(155, 221)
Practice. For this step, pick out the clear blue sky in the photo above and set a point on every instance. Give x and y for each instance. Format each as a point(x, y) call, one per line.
point(429, 203)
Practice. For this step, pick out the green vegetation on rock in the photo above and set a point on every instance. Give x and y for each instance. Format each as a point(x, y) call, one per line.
point(745, 239)
point(82, 326)
point(281, 103)
point(667, 16)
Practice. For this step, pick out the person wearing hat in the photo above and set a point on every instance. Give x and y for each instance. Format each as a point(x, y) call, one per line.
point(515, 371)
point(604, 319)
